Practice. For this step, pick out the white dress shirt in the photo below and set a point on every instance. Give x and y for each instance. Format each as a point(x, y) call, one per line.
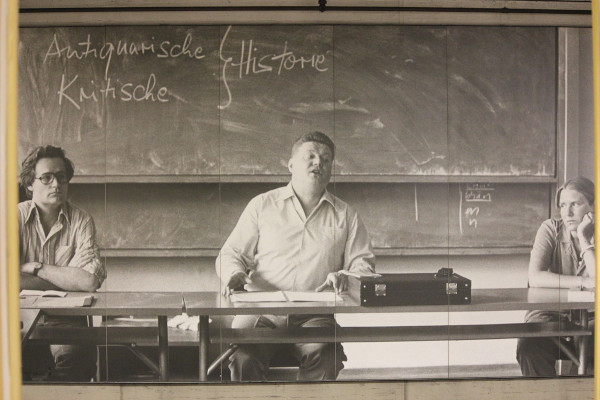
point(283, 249)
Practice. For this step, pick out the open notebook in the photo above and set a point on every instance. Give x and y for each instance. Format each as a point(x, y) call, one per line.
point(42, 293)
point(62, 302)
point(58, 302)
point(283, 296)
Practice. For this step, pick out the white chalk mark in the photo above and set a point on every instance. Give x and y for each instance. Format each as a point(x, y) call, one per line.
point(460, 209)
point(376, 123)
point(416, 205)
point(306, 108)
point(179, 98)
point(418, 163)
point(476, 91)
point(156, 160)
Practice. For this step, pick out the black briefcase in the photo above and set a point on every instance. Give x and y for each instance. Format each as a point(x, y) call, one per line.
point(443, 287)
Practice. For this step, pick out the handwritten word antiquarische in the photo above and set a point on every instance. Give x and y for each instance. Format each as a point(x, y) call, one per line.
point(72, 92)
point(251, 62)
point(106, 50)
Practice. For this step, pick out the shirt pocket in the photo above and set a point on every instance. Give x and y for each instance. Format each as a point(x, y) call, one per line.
point(63, 255)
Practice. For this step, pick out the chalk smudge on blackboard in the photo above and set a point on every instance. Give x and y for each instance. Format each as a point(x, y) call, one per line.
point(311, 108)
point(376, 123)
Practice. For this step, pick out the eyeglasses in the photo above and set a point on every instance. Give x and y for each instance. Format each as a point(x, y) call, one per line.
point(49, 177)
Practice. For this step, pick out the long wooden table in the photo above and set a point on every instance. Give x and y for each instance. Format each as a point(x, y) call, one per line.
point(204, 304)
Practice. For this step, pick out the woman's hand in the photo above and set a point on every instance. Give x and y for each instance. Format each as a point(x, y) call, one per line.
point(585, 229)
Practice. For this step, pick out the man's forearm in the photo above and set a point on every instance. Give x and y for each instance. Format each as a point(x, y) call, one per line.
point(31, 282)
point(69, 278)
point(362, 268)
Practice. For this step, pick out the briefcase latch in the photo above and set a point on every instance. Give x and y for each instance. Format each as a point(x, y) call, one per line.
point(380, 289)
point(451, 288)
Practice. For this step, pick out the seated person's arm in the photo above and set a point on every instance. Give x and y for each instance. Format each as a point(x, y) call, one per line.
point(29, 281)
point(540, 260)
point(585, 233)
point(84, 271)
point(358, 256)
point(237, 254)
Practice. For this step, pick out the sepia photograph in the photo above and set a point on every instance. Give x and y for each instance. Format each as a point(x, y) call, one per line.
point(310, 202)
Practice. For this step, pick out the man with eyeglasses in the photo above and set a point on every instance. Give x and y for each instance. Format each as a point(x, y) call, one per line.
point(57, 251)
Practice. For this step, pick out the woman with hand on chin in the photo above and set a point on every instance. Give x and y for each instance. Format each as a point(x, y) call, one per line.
point(563, 256)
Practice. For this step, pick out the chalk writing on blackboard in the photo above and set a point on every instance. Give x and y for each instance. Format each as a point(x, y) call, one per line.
point(471, 213)
point(251, 61)
point(479, 192)
point(248, 59)
point(87, 49)
point(128, 91)
point(474, 192)
point(73, 91)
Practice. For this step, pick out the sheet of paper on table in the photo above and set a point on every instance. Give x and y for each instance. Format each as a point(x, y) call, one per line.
point(257, 297)
point(313, 296)
point(283, 296)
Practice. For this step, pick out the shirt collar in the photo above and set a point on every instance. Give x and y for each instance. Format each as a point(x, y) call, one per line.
point(288, 192)
point(64, 211)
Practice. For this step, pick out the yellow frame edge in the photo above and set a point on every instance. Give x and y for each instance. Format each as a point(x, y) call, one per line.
point(596, 70)
point(11, 172)
point(12, 196)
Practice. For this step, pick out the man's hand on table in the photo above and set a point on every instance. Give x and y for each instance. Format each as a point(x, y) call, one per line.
point(236, 281)
point(337, 280)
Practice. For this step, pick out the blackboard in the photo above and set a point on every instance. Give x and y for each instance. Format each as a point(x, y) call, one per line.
point(397, 216)
point(229, 100)
point(43, 116)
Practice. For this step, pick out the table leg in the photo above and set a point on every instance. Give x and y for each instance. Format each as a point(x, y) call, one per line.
point(31, 328)
point(583, 344)
point(163, 348)
point(204, 339)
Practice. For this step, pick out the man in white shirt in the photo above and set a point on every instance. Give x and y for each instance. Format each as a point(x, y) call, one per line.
point(58, 250)
point(296, 238)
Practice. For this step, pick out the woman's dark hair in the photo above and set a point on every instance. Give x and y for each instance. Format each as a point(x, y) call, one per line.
point(27, 175)
point(582, 185)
